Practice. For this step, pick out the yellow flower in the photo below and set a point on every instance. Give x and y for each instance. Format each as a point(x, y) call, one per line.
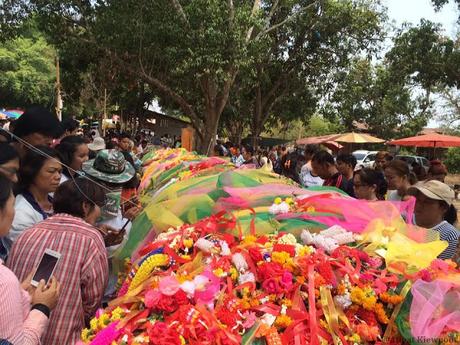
point(284, 259)
point(283, 321)
point(103, 321)
point(93, 324)
point(117, 314)
point(85, 335)
point(219, 272)
point(363, 297)
point(182, 340)
point(249, 239)
point(278, 200)
point(355, 338)
point(289, 201)
point(146, 268)
point(287, 302)
point(233, 273)
point(304, 251)
point(311, 209)
point(357, 295)
point(188, 243)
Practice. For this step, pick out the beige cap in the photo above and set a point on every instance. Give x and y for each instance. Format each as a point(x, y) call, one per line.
point(435, 190)
point(97, 145)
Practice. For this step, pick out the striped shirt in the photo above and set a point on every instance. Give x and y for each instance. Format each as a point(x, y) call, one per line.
point(82, 271)
point(18, 324)
point(449, 233)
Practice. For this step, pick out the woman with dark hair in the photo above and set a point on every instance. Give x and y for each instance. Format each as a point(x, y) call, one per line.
point(434, 209)
point(19, 322)
point(9, 166)
point(9, 162)
point(437, 171)
point(248, 155)
point(290, 166)
point(369, 184)
point(36, 127)
point(39, 175)
point(399, 178)
point(83, 267)
point(74, 152)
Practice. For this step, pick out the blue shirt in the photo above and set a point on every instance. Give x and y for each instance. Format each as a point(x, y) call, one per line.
point(447, 232)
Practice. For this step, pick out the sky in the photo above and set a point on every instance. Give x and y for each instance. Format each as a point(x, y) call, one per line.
point(412, 11)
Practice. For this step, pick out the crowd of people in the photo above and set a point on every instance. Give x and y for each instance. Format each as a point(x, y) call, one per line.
point(389, 179)
point(66, 190)
point(74, 196)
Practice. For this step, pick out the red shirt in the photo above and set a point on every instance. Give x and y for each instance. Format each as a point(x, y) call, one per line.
point(82, 271)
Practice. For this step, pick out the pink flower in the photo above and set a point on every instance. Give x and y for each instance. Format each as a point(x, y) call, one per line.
point(152, 297)
point(206, 293)
point(169, 286)
point(271, 286)
point(250, 319)
point(286, 280)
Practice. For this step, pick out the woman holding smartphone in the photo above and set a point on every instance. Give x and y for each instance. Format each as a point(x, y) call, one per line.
point(20, 323)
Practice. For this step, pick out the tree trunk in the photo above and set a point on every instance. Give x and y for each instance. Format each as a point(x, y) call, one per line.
point(257, 118)
point(205, 145)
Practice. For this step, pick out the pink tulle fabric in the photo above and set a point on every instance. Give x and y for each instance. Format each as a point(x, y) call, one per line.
point(435, 305)
point(354, 215)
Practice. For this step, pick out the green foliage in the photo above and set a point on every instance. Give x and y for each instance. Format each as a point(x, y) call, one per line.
point(318, 126)
point(297, 129)
point(27, 71)
point(452, 160)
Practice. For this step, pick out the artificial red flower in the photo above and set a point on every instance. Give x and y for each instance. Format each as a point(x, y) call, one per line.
point(181, 298)
point(255, 254)
point(269, 270)
point(161, 334)
point(166, 304)
point(286, 281)
point(288, 248)
point(271, 286)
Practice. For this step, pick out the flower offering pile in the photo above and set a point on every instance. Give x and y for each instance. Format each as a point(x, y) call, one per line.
point(198, 284)
point(221, 255)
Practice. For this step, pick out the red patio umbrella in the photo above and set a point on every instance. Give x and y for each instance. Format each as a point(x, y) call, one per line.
point(428, 140)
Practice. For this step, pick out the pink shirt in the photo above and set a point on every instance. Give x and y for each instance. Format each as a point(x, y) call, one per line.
point(82, 271)
point(18, 324)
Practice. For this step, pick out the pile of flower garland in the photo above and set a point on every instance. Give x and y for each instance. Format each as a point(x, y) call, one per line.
point(197, 284)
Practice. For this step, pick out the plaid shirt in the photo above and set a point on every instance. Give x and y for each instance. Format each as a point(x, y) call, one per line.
point(82, 271)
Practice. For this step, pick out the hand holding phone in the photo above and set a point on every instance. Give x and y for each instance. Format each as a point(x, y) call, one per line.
point(112, 237)
point(47, 295)
point(46, 267)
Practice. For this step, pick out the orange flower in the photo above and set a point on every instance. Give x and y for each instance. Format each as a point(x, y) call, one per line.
point(300, 279)
point(380, 313)
point(341, 289)
point(391, 298)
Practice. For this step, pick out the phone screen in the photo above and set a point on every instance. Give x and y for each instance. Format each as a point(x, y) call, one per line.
point(45, 268)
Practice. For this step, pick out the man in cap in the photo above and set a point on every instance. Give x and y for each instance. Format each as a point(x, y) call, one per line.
point(113, 171)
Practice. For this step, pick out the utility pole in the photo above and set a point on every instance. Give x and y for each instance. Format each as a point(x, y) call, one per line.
point(105, 112)
point(59, 104)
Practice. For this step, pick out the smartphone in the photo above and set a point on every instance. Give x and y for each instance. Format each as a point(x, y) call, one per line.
point(46, 267)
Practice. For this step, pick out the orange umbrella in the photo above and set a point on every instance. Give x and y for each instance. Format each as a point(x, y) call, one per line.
point(428, 140)
point(357, 138)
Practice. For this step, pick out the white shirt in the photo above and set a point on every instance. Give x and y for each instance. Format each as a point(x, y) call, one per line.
point(307, 179)
point(25, 216)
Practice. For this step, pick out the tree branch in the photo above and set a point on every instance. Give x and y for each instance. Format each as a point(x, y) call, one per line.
point(231, 8)
point(288, 19)
point(255, 9)
point(178, 7)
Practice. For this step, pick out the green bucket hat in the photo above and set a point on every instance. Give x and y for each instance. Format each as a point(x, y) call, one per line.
point(109, 166)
